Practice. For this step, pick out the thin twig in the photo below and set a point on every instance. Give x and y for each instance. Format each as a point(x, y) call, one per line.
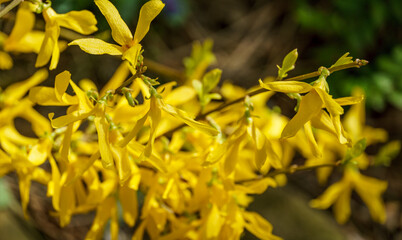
point(356, 64)
point(9, 7)
point(292, 169)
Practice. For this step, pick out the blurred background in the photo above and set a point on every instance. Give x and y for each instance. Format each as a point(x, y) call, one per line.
point(250, 37)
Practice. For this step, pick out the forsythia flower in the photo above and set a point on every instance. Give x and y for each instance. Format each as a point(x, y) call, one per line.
point(310, 112)
point(80, 21)
point(339, 194)
point(129, 46)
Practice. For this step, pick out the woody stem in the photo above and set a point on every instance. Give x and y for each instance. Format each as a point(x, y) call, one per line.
point(9, 7)
point(356, 64)
point(292, 169)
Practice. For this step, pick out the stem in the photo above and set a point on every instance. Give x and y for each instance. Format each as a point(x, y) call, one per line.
point(356, 64)
point(9, 7)
point(292, 169)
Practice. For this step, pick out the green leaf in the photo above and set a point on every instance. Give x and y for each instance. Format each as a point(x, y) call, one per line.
point(387, 153)
point(214, 96)
point(201, 57)
point(355, 151)
point(211, 80)
point(197, 85)
point(343, 60)
point(288, 64)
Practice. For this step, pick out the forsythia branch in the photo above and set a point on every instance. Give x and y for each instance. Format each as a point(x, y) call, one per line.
point(9, 7)
point(356, 64)
point(292, 169)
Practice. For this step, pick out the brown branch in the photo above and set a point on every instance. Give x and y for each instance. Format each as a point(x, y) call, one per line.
point(292, 169)
point(9, 7)
point(356, 64)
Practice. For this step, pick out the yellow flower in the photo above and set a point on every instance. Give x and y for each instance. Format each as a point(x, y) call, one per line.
point(6, 62)
point(310, 112)
point(80, 21)
point(339, 194)
point(129, 46)
point(22, 37)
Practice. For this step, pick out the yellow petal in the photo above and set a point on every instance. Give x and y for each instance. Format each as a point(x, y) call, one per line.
point(49, 46)
point(329, 196)
point(6, 62)
point(120, 156)
point(67, 204)
point(69, 118)
point(30, 42)
point(131, 55)
point(332, 106)
point(61, 84)
point(65, 145)
point(54, 184)
point(103, 214)
point(24, 182)
point(133, 133)
point(349, 100)
point(128, 200)
point(183, 116)
point(120, 31)
point(148, 12)
point(96, 46)
point(24, 22)
point(83, 21)
point(180, 95)
point(258, 226)
point(342, 206)
point(83, 100)
point(287, 86)
point(310, 105)
point(136, 149)
point(102, 127)
point(155, 114)
point(323, 121)
point(17, 90)
point(370, 190)
point(232, 155)
point(40, 124)
point(257, 186)
point(46, 96)
point(311, 140)
point(340, 132)
point(214, 223)
point(39, 152)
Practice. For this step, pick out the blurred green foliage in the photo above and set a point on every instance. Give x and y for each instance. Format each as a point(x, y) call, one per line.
point(369, 29)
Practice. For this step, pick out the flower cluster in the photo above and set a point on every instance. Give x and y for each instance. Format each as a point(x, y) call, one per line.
point(180, 164)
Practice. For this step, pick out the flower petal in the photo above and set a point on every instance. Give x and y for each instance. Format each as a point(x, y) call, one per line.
point(128, 200)
point(330, 195)
point(287, 86)
point(258, 226)
point(310, 105)
point(6, 62)
point(120, 31)
point(83, 21)
point(183, 116)
point(24, 22)
point(342, 206)
point(102, 127)
point(330, 104)
point(96, 46)
point(48, 48)
point(131, 55)
point(17, 90)
point(148, 12)
point(349, 100)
